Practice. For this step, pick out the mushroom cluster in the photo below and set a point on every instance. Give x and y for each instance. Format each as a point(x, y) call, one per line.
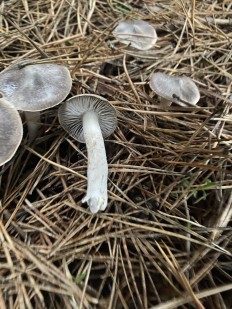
point(29, 87)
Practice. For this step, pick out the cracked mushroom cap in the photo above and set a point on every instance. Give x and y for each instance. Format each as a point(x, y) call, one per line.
point(137, 33)
point(11, 131)
point(179, 89)
point(35, 87)
point(70, 115)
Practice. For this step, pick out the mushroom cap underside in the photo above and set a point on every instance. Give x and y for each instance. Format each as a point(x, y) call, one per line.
point(173, 87)
point(71, 112)
point(11, 131)
point(35, 87)
point(137, 33)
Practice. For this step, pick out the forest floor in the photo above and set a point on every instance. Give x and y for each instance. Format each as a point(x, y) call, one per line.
point(165, 238)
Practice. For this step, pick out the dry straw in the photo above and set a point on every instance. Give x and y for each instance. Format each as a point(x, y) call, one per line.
point(165, 239)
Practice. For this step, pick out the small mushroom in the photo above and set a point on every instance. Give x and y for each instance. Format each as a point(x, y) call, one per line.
point(88, 119)
point(137, 33)
point(11, 131)
point(179, 89)
point(34, 87)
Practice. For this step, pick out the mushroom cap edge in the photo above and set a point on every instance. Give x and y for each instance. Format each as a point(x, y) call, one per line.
point(11, 131)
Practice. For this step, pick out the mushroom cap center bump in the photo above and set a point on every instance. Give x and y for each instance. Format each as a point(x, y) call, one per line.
point(35, 87)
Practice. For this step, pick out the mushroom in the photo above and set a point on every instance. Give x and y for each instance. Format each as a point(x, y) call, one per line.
point(179, 89)
point(88, 119)
point(11, 130)
point(137, 33)
point(32, 87)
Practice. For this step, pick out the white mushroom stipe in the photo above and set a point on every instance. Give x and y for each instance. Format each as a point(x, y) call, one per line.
point(164, 103)
point(33, 124)
point(97, 171)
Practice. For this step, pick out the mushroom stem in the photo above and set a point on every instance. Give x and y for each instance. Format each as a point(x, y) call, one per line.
point(97, 171)
point(33, 120)
point(164, 103)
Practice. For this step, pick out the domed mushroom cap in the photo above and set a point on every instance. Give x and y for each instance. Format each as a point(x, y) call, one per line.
point(35, 87)
point(137, 33)
point(11, 131)
point(179, 89)
point(71, 112)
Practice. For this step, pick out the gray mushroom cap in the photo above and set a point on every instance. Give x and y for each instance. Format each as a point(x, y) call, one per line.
point(70, 115)
point(35, 87)
point(137, 33)
point(11, 131)
point(179, 89)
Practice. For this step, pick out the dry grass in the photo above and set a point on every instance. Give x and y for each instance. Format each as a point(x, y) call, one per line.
point(165, 239)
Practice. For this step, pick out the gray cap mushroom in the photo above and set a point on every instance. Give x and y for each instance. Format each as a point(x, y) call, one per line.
point(179, 89)
point(137, 33)
point(11, 131)
point(32, 87)
point(88, 119)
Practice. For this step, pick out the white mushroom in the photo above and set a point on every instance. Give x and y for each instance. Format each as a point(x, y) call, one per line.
point(89, 119)
point(137, 33)
point(11, 131)
point(35, 87)
point(179, 89)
